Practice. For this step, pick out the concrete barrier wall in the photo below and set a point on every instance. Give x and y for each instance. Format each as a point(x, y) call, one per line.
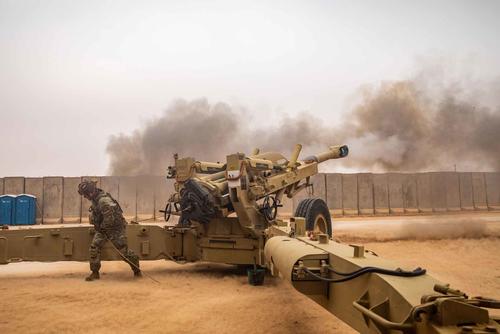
point(466, 192)
point(452, 191)
point(479, 191)
point(52, 200)
point(111, 185)
point(350, 194)
point(34, 186)
point(492, 181)
point(410, 198)
point(128, 197)
point(145, 197)
point(395, 189)
point(13, 185)
point(346, 194)
point(365, 194)
point(381, 194)
point(438, 191)
point(72, 202)
point(334, 193)
point(424, 192)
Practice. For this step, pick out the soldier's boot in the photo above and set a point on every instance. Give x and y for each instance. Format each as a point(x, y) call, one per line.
point(133, 261)
point(95, 265)
point(93, 276)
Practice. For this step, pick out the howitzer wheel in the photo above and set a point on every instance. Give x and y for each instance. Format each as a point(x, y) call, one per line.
point(317, 215)
point(301, 208)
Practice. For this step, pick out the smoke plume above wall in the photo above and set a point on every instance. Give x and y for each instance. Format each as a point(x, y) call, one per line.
point(394, 126)
point(399, 126)
point(193, 128)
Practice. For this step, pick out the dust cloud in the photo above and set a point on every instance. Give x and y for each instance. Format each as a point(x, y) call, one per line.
point(408, 125)
point(432, 228)
point(191, 298)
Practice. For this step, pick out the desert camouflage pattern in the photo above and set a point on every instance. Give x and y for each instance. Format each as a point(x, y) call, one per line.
point(107, 217)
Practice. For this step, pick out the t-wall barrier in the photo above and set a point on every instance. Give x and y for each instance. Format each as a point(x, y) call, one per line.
point(142, 197)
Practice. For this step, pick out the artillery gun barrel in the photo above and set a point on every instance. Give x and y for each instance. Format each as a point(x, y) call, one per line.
point(334, 152)
point(205, 167)
point(214, 177)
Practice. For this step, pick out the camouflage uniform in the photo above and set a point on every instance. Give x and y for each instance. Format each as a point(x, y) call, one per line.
point(107, 217)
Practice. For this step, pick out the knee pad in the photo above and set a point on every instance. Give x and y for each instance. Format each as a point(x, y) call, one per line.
point(121, 243)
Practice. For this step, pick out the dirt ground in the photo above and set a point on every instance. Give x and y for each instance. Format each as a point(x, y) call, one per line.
point(211, 298)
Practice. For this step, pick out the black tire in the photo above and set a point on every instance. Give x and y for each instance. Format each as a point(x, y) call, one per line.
point(301, 208)
point(317, 215)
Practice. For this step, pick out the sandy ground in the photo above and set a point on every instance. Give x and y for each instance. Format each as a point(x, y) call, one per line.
point(209, 298)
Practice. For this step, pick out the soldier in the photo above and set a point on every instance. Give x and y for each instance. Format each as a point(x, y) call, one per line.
point(107, 218)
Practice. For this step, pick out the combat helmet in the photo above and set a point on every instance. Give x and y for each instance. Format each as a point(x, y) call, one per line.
point(87, 188)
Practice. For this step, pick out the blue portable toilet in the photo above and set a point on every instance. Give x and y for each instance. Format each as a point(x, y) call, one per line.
point(25, 210)
point(7, 209)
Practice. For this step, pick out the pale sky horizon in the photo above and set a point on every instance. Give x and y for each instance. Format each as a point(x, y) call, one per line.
point(74, 73)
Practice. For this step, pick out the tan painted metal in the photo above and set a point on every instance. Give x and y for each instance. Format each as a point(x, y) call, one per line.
point(58, 243)
point(373, 303)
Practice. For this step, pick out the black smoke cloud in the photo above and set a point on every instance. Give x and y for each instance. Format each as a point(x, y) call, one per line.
point(207, 132)
point(400, 127)
point(395, 126)
point(193, 128)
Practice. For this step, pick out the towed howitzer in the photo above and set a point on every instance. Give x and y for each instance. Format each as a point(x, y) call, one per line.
point(228, 214)
point(250, 186)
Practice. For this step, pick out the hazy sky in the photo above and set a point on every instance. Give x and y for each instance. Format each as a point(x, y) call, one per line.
point(74, 73)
